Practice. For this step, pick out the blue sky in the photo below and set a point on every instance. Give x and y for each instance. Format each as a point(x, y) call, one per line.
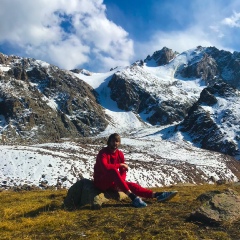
point(100, 34)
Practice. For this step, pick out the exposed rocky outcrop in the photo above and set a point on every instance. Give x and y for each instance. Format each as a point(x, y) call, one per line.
point(202, 124)
point(6, 60)
point(40, 102)
point(212, 65)
point(217, 208)
point(133, 97)
point(83, 71)
point(206, 68)
point(228, 65)
point(168, 112)
point(162, 57)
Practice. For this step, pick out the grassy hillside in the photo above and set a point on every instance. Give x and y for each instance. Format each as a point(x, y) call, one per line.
point(39, 215)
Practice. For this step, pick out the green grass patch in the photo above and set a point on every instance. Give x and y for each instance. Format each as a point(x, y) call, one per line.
point(40, 215)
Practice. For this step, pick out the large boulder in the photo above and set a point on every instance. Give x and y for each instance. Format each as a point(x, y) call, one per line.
point(84, 193)
point(218, 208)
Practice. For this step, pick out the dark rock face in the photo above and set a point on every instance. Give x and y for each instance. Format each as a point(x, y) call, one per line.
point(223, 90)
point(162, 57)
point(129, 96)
point(133, 97)
point(206, 69)
point(218, 208)
point(83, 71)
point(207, 98)
point(213, 66)
point(168, 112)
point(228, 65)
point(203, 128)
point(4, 59)
point(44, 103)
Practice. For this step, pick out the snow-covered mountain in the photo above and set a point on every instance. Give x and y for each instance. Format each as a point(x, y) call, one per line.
point(168, 109)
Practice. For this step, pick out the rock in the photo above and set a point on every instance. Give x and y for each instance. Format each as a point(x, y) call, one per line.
point(218, 208)
point(221, 181)
point(84, 193)
point(206, 69)
point(131, 97)
point(207, 97)
point(162, 57)
point(212, 64)
point(134, 97)
point(83, 71)
point(48, 101)
point(202, 125)
point(227, 62)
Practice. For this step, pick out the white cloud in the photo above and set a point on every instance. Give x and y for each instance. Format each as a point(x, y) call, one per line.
point(110, 43)
point(35, 27)
point(184, 40)
point(90, 39)
point(179, 41)
point(217, 30)
point(233, 21)
point(67, 54)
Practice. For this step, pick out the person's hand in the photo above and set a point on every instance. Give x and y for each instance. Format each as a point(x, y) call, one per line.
point(124, 165)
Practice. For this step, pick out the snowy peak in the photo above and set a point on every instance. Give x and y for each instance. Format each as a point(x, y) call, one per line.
point(211, 65)
point(161, 57)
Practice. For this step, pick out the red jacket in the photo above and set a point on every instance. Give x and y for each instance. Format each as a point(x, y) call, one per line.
point(106, 160)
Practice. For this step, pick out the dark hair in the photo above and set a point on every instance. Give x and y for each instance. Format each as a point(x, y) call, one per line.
point(113, 136)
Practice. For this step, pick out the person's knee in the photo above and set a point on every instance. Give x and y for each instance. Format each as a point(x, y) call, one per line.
point(114, 174)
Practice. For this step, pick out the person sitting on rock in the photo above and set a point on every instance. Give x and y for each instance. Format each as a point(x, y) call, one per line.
point(110, 173)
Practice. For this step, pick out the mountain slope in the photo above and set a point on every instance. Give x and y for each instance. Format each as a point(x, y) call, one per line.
point(166, 108)
point(213, 121)
point(40, 102)
point(167, 94)
point(152, 162)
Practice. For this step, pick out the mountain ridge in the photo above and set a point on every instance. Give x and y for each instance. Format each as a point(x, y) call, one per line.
point(166, 98)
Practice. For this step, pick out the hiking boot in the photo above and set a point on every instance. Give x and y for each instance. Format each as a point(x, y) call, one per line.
point(138, 203)
point(165, 196)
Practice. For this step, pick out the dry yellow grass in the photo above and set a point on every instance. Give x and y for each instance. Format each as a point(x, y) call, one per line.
point(39, 215)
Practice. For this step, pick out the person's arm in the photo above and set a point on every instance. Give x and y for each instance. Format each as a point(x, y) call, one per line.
point(124, 165)
point(122, 161)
